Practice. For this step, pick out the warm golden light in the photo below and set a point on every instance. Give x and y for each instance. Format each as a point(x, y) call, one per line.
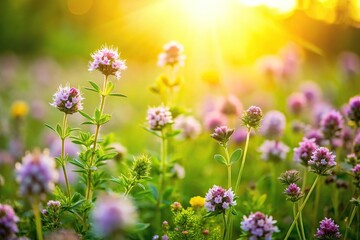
point(282, 6)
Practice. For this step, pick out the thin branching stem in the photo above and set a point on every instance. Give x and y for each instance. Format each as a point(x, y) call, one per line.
point(63, 163)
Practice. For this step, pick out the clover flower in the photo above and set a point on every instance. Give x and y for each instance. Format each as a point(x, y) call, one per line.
point(8, 222)
point(259, 226)
point(190, 128)
point(293, 193)
point(172, 55)
point(331, 124)
point(159, 117)
point(273, 125)
point(222, 134)
point(214, 119)
point(252, 117)
point(197, 202)
point(322, 160)
point(273, 151)
point(107, 60)
point(37, 174)
point(353, 111)
point(231, 106)
point(328, 230)
point(218, 199)
point(289, 177)
point(67, 100)
point(112, 215)
point(304, 152)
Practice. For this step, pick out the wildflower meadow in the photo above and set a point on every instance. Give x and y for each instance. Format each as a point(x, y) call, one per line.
point(171, 120)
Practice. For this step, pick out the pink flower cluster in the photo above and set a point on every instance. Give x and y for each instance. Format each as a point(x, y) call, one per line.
point(172, 55)
point(218, 199)
point(67, 100)
point(259, 226)
point(159, 117)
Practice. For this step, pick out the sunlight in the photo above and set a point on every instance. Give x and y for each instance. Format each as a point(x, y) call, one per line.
point(280, 6)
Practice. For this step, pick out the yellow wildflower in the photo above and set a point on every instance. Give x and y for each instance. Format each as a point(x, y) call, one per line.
point(197, 202)
point(19, 109)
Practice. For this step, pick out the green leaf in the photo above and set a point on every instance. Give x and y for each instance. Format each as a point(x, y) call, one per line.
point(117, 95)
point(152, 132)
point(85, 115)
point(139, 227)
point(90, 89)
point(235, 156)
point(109, 88)
point(233, 211)
point(59, 130)
point(219, 158)
point(95, 86)
point(87, 123)
point(47, 125)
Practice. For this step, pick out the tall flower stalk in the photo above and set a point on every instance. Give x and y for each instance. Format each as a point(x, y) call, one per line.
point(35, 207)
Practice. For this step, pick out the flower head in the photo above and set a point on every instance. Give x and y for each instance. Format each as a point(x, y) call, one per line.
point(331, 124)
point(141, 167)
point(19, 109)
point(304, 152)
point(353, 111)
point(322, 160)
point(356, 145)
point(259, 226)
point(296, 103)
point(316, 134)
point(8, 222)
point(107, 60)
point(172, 55)
point(231, 106)
point(289, 177)
point(273, 125)
point(311, 91)
point(214, 119)
point(252, 117)
point(190, 128)
point(67, 100)
point(328, 230)
point(273, 151)
point(356, 172)
point(113, 214)
point(218, 199)
point(197, 202)
point(37, 174)
point(159, 117)
point(222, 134)
point(293, 193)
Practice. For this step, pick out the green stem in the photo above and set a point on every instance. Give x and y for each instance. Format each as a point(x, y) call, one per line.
point(274, 181)
point(129, 188)
point(317, 200)
point(35, 206)
point(350, 221)
point(228, 165)
point(224, 236)
point(162, 174)
point(97, 131)
point(301, 224)
point(302, 207)
point(297, 225)
point(63, 155)
point(243, 161)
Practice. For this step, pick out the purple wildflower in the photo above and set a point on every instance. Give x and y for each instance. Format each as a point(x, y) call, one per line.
point(218, 199)
point(293, 193)
point(67, 100)
point(190, 127)
point(259, 226)
point(304, 152)
point(222, 134)
point(107, 61)
point(296, 103)
point(172, 55)
point(328, 230)
point(37, 174)
point(240, 135)
point(356, 171)
point(356, 145)
point(353, 111)
point(8, 222)
point(322, 160)
point(252, 117)
point(214, 119)
point(159, 117)
point(273, 151)
point(349, 64)
point(331, 124)
point(316, 135)
point(273, 125)
point(113, 214)
point(289, 177)
point(311, 91)
point(231, 106)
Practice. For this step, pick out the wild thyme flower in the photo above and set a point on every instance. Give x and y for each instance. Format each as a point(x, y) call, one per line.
point(259, 226)
point(252, 117)
point(176, 206)
point(331, 124)
point(273, 151)
point(289, 177)
point(8, 222)
point(172, 55)
point(322, 160)
point(107, 60)
point(213, 120)
point(222, 134)
point(296, 103)
point(293, 193)
point(197, 202)
point(328, 230)
point(190, 128)
point(37, 174)
point(231, 106)
point(159, 117)
point(273, 125)
point(311, 91)
point(353, 112)
point(112, 215)
point(67, 100)
point(218, 199)
point(304, 152)
point(315, 134)
point(356, 171)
